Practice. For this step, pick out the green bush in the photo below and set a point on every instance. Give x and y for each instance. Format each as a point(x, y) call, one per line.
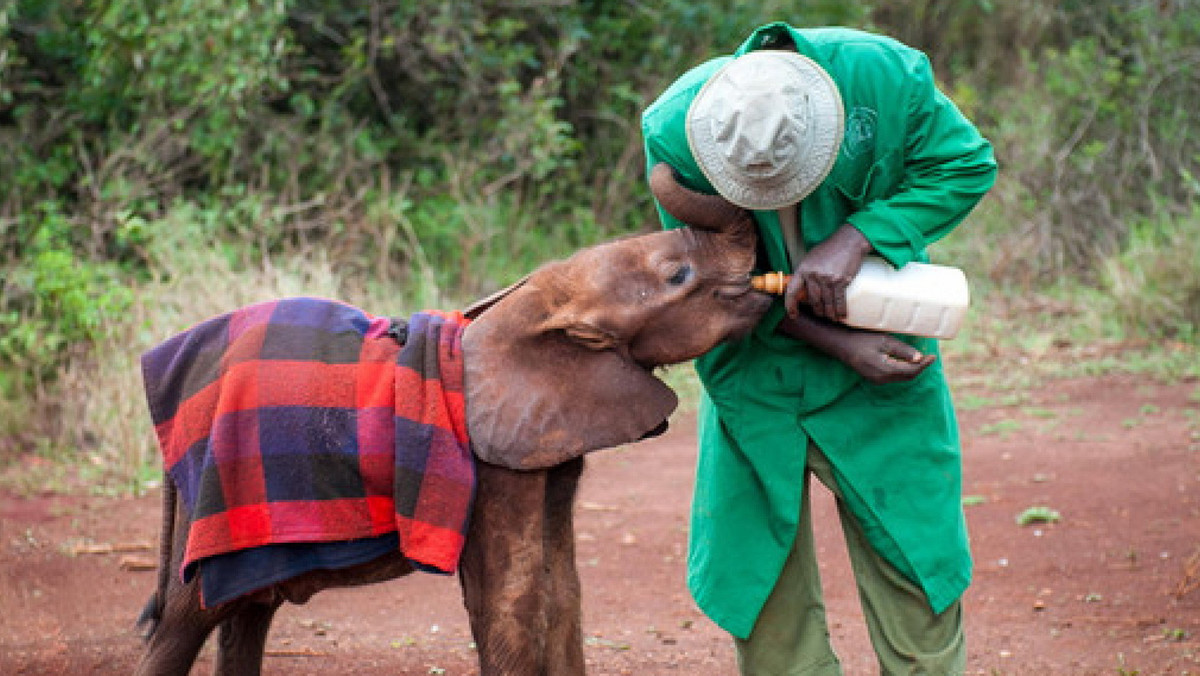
point(53, 303)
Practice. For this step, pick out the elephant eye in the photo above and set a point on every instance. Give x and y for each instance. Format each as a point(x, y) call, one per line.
point(681, 275)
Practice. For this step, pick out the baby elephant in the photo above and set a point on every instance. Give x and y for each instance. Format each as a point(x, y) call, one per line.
point(302, 457)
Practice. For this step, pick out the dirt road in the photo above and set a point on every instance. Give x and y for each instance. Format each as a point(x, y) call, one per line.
point(1110, 588)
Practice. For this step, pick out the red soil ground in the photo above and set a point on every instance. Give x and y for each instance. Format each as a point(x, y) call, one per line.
point(1111, 588)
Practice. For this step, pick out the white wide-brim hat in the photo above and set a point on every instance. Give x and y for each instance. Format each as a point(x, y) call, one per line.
point(766, 128)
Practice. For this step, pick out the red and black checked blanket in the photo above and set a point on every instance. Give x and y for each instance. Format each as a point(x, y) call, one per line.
point(310, 421)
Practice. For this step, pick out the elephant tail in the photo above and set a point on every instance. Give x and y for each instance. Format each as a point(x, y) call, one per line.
point(153, 611)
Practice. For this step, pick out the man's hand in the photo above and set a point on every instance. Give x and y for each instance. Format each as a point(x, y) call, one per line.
point(881, 357)
point(824, 273)
point(878, 357)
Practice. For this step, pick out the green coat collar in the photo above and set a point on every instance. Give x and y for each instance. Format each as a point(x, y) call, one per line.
point(766, 37)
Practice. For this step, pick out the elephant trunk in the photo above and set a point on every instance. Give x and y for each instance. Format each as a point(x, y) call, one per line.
point(705, 212)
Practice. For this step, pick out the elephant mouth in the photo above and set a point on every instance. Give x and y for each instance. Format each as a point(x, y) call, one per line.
point(740, 292)
point(735, 289)
point(750, 305)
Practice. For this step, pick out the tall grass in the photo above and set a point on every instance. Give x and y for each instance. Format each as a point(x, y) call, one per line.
point(88, 426)
point(93, 428)
point(1154, 282)
point(1142, 315)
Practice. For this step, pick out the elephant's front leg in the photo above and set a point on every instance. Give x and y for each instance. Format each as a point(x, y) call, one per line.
point(502, 571)
point(564, 642)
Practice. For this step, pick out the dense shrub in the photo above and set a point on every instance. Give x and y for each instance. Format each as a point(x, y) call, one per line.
point(468, 129)
point(1091, 113)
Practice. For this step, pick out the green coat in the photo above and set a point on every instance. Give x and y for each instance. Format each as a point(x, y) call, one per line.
point(910, 168)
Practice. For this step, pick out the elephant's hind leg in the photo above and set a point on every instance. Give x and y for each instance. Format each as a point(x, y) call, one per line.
point(243, 638)
point(178, 635)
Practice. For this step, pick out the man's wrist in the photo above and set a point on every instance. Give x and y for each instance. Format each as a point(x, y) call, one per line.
point(864, 244)
point(820, 333)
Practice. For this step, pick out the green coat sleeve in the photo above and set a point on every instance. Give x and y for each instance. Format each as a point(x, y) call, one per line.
point(947, 168)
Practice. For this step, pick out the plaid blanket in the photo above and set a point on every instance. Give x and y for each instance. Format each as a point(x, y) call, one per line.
point(310, 421)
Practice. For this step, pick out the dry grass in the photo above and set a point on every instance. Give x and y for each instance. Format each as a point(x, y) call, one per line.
point(93, 429)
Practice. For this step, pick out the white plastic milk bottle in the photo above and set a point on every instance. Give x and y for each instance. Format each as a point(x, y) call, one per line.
point(920, 299)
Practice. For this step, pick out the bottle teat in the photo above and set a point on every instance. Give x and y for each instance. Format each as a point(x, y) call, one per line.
point(771, 282)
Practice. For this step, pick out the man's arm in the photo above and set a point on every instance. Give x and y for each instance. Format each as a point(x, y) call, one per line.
point(948, 167)
point(878, 357)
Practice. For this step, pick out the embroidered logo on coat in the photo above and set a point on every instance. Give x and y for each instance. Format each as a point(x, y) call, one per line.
point(860, 132)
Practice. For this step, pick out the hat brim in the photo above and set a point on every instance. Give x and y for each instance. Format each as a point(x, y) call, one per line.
point(825, 138)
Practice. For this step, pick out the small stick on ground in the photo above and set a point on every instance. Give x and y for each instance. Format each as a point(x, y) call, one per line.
point(298, 652)
point(1191, 577)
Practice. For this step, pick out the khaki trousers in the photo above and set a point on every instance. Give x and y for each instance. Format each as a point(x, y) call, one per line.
point(791, 638)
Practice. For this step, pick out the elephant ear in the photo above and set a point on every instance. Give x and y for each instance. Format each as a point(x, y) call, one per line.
point(474, 310)
point(544, 386)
